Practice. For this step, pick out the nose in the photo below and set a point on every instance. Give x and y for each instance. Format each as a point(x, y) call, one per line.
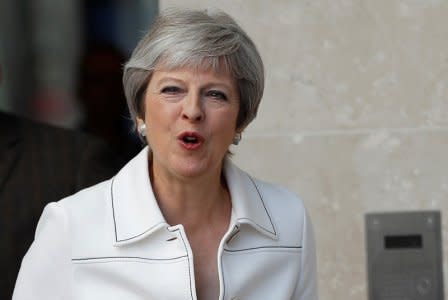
point(192, 108)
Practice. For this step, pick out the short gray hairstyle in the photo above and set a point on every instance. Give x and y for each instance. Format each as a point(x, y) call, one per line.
point(199, 39)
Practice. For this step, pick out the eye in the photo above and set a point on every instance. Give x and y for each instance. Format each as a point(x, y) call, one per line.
point(218, 95)
point(171, 90)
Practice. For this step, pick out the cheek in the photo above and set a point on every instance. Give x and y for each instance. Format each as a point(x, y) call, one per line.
point(226, 124)
point(161, 116)
point(153, 112)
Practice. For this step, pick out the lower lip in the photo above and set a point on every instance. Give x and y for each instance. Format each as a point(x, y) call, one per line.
point(190, 146)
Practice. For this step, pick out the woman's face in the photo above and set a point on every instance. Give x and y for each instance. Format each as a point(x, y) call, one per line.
point(190, 117)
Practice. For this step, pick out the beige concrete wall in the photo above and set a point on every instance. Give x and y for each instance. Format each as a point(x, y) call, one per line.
point(354, 118)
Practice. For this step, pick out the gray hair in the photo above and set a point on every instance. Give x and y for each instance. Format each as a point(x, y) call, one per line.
point(197, 39)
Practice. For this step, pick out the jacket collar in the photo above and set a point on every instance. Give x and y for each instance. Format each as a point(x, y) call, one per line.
point(134, 208)
point(248, 205)
point(136, 214)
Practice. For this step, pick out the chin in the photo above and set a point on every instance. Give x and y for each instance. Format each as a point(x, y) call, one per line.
point(193, 168)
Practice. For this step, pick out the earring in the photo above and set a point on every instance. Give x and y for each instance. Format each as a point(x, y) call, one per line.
point(142, 130)
point(237, 138)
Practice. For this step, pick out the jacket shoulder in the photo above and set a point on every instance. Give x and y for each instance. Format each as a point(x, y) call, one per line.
point(89, 202)
point(89, 215)
point(277, 195)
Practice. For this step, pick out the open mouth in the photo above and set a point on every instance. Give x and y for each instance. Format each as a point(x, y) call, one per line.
point(190, 140)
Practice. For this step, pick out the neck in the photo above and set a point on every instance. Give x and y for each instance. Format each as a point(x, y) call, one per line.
point(192, 202)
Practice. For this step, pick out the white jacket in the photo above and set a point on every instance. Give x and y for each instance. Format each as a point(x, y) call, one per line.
point(111, 241)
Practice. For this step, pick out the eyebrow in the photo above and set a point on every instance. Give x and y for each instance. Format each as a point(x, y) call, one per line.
point(163, 80)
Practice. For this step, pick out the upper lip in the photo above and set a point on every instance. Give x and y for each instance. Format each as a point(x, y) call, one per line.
point(199, 138)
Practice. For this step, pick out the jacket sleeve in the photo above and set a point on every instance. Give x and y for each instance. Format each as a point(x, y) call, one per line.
point(307, 284)
point(45, 270)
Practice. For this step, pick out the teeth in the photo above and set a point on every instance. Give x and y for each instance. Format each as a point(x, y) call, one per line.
point(190, 139)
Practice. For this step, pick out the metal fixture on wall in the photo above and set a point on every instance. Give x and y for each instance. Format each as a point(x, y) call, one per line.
point(404, 255)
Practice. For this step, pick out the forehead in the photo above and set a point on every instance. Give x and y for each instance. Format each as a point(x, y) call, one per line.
point(201, 72)
point(196, 63)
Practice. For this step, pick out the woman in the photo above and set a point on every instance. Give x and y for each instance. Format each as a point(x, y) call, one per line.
point(179, 221)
